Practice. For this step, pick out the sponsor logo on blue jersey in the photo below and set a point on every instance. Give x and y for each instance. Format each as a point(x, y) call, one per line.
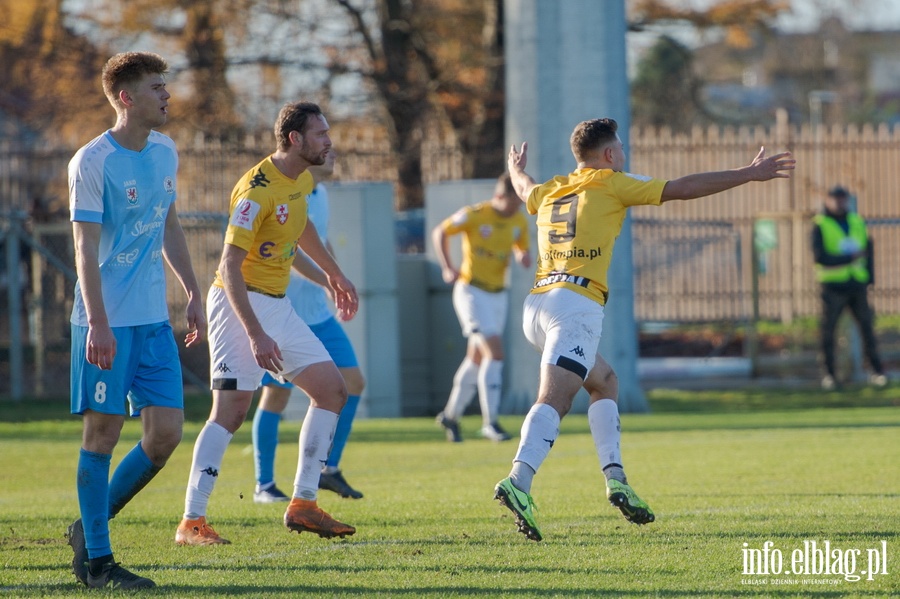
point(126, 258)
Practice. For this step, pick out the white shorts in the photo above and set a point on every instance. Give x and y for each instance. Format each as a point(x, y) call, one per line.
point(232, 365)
point(479, 311)
point(565, 327)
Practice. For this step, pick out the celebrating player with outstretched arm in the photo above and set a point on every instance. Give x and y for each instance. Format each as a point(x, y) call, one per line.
point(579, 217)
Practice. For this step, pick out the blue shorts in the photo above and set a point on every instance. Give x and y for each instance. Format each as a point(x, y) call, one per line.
point(337, 344)
point(146, 371)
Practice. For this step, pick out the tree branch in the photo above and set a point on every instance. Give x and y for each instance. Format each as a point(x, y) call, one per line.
point(360, 25)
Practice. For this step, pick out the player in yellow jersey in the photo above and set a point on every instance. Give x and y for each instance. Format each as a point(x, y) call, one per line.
point(254, 329)
point(579, 217)
point(491, 232)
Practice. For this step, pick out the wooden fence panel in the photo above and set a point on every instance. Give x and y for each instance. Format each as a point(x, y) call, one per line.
point(865, 159)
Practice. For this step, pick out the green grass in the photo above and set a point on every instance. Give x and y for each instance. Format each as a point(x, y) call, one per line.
point(717, 477)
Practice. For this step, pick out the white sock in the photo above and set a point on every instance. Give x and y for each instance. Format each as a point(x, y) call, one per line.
point(522, 476)
point(316, 434)
point(490, 383)
point(465, 385)
point(208, 452)
point(603, 418)
point(539, 432)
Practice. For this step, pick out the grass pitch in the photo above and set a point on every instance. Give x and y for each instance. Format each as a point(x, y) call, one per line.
point(723, 483)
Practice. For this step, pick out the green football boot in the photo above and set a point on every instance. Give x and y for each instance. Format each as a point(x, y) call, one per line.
point(632, 507)
point(522, 505)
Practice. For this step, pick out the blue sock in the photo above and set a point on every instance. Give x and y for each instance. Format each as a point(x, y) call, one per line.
point(342, 431)
point(131, 475)
point(265, 442)
point(93, 501)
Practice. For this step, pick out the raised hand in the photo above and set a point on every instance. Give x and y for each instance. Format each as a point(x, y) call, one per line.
point(764, 167)
point(517, 158)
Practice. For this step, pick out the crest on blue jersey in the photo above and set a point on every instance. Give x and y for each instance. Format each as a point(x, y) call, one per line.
point(132, 194)
point(169, 185)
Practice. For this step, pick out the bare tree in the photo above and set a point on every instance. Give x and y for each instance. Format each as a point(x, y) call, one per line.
point(398, 77)
point(436, 61)
point(430, 64)
point(42, 60)
point(739, 18)
point(198, 29)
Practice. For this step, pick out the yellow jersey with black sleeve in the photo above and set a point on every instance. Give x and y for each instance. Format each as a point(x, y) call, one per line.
point(266, 217)
point(487, 242)
point(579, 217)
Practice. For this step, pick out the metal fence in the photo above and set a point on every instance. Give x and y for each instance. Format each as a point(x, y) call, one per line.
point(688, 271)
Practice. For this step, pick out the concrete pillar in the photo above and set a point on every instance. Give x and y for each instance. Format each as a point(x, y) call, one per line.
point(565, 63)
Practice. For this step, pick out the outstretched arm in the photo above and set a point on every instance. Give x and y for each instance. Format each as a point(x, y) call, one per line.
point(522, 181)
point(763, 168)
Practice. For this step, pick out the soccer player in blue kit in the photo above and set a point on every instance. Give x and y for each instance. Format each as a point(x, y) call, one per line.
point(122, 203)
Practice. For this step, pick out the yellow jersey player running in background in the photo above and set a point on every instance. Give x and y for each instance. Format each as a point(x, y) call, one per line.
point(491, 232)
point(579, 217)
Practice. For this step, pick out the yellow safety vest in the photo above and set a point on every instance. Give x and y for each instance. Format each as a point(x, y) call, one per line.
point(833, 238)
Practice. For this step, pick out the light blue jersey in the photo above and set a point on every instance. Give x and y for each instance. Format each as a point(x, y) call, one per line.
point(129, 194)
point(309, 299)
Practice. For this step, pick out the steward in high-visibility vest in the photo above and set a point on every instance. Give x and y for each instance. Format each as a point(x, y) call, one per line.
point(843, 239)
point(843, 254)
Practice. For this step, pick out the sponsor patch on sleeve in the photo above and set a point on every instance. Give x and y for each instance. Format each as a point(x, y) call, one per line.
point(460, 217)
point(244, 214)
point(642, 178)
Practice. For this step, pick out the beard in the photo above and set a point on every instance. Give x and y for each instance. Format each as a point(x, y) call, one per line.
point(311, 157)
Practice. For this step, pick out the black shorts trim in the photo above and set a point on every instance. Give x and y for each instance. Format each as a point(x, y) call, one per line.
point(224, 384)
point(572, 366)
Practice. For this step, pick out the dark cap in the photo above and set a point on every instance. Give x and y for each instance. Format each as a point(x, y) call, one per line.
point(838, 192)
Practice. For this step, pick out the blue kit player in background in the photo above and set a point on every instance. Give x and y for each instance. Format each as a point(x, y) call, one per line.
point(309, 294)
point(122, 202)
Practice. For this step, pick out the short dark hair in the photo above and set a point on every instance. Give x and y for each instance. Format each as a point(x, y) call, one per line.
point(505, 183)
point(293, 116)
point(590, 136)
point(128, 67)
point(838, 191)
